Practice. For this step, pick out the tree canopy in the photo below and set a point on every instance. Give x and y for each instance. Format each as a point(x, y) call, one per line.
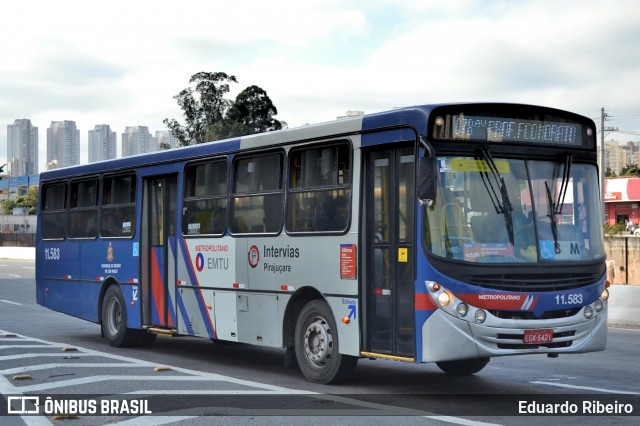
point(630, 170)
point(209, 115)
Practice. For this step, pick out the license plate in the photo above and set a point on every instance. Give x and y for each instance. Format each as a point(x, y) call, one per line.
point(537, 336)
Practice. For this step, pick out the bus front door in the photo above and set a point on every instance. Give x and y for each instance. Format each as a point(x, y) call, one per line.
point(158, 251)
point(389, 281)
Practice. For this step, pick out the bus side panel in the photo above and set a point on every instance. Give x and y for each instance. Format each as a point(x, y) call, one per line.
point(100, 260)
point(60, 274)
point(193, 314)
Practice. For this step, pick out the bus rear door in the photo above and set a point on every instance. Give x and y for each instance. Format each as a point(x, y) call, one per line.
point(158, 250)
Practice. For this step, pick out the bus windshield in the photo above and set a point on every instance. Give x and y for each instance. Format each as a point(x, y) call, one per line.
point(515, 211)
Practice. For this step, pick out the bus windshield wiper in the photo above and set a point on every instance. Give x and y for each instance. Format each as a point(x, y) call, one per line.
point(555, 208)
point(503, 203)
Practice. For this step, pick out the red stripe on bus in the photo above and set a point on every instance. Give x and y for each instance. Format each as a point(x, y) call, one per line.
point(424, 302)
point(157, 288)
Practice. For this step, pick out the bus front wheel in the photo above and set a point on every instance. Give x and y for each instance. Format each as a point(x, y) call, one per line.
point(114, 320)
point(316, 346)
point(464, 367)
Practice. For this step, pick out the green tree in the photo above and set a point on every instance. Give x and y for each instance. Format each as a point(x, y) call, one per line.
point(29, 201)
point(630, 170)
point(209, 116)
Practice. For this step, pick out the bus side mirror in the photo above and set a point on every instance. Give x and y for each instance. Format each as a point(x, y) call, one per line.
point(427, 180)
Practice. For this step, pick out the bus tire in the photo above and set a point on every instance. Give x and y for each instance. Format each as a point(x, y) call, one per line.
point(464, 367)
point(114, 320)
point(316, 346)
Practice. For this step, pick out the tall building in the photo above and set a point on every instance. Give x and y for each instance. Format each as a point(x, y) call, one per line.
point(102, 143)
point(22, 148)
point(137, 140)
point(63, 144)
point(164, 139)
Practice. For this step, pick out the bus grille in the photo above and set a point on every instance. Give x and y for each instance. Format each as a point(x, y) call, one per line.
point(527, 315)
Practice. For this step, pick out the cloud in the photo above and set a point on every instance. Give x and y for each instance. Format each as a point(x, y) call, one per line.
point(121, 63)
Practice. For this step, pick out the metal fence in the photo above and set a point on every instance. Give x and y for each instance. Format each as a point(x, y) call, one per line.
point(18, 240)
point(623, 259)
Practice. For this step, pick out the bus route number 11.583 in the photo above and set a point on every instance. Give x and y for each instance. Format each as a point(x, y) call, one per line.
point(52, 253)
point(569, 299)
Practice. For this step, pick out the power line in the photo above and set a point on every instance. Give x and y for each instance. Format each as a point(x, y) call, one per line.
point(625, 116)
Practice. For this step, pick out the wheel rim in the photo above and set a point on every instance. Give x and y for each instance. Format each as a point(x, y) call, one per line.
point(114, 316)
point(318, 342)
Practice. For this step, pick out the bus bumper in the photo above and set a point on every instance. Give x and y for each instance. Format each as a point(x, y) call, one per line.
point(446, 337)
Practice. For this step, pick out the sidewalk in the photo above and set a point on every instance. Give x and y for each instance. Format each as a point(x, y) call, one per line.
point(18, 253)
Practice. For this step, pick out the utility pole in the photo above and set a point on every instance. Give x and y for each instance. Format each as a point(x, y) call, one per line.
point(603, 117)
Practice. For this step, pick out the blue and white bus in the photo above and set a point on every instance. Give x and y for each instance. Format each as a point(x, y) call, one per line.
point(440, 233)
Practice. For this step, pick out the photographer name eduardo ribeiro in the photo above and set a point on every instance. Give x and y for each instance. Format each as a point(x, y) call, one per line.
point(587, 407)
point(34, 405)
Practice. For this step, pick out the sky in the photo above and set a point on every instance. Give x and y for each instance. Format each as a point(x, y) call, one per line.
point(122, 62)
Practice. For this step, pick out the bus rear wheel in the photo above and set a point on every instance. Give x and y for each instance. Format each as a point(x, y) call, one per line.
point(464, 367)
point(114, 320)
point(316, 346)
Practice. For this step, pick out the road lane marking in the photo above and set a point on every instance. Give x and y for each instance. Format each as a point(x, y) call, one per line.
point(10, 302)
point(563, 385)
point(460, 421)
point(363, 407)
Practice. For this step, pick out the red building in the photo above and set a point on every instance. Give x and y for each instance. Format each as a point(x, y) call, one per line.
point(622, 200)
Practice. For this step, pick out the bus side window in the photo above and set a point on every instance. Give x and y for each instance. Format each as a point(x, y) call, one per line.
point(54, 213)
point(83, 213)
point(118, 210)
point(205, 198)
point(319, 193)
point(257, 198)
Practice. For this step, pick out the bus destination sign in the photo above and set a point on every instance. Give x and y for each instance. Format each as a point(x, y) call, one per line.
point(502, 129)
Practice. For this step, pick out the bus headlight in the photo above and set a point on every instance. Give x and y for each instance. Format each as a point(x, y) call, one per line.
point(598, 305)
point(605, 295)
point(480, 316)
point(462, 309)
point(588, 312)
point(444, 298)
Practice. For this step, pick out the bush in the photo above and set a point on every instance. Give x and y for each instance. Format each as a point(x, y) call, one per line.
point(613, 230)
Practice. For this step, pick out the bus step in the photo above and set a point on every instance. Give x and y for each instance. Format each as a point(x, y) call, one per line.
point(163, 331)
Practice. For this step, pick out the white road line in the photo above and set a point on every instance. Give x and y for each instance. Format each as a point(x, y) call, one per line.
point(44, 355)
point(624, 329)
point(459, 421)
point(24, 346)
point(20, 370)
point(130, 378)
point(15, 276)
point(154, 421)
point(191, 376)
point(224, 392)
point(589, 388)
point(10, 302)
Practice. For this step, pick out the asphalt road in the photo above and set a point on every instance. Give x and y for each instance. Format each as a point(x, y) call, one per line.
point(194, 381)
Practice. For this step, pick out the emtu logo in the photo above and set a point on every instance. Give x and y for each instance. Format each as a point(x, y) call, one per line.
point(199, 262)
